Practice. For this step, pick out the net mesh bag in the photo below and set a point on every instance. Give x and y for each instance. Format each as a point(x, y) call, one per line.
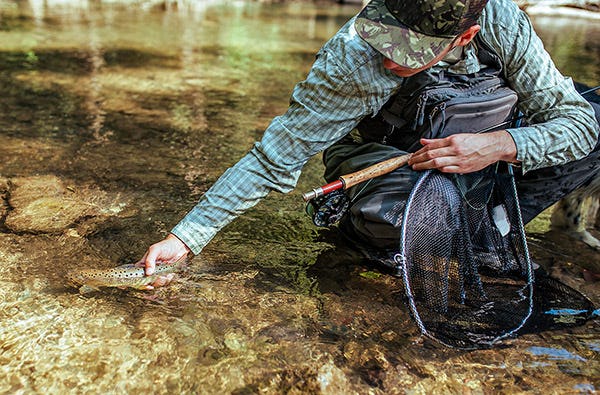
point(464, 259)
point(557, 306)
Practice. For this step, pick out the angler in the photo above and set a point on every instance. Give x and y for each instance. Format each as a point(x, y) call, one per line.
point(362, 103)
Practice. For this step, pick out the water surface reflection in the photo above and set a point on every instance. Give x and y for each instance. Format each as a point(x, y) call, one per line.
point(115, 119)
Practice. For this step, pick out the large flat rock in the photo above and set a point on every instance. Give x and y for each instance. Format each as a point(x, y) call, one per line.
point(46, 204)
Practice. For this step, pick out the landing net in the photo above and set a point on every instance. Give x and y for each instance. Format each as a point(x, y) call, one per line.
point(464, 258)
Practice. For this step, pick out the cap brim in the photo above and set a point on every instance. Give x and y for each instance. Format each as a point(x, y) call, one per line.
point(405, 47)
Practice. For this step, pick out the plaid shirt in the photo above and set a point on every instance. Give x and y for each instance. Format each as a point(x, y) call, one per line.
point(348, 82)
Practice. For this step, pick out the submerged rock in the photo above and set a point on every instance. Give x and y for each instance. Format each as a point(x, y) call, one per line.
point(3, 197)
point(332, 380)
point(45, 204)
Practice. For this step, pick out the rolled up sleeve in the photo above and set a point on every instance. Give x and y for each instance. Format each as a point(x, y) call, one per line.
point(561, 126)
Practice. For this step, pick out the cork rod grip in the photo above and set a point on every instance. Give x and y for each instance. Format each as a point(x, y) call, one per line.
point(359, 176)
point(375, 170)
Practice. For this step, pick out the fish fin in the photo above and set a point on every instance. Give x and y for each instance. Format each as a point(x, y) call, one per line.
point(86, 289)
point(138, 288)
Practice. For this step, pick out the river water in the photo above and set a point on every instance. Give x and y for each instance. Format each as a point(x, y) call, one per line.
point(114, 119)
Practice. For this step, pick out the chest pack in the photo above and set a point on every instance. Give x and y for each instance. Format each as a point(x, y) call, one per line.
point(437, 104)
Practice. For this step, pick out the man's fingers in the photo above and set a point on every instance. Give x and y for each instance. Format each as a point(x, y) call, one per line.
point(435, 143)
point(436, 163)
point(167, 250)
point(150, 260)
point(432, 158)
point(430, 154)
point(142, 261)
point(163, 280)
point(451, 169)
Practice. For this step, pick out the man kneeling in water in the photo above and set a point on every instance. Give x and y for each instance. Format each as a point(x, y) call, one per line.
point(372, 60)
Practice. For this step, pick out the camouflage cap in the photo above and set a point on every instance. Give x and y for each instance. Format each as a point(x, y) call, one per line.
point(413, 32)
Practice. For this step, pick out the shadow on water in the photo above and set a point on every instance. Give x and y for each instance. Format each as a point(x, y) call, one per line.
point(15, 23)
point(107, 142)
point(78, 62)
point(34, 111)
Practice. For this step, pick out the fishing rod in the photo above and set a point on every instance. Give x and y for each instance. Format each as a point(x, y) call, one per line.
point(387, 166)
point(349, 180)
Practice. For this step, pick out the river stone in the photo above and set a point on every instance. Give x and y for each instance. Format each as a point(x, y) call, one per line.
point(3, 197)
point(332, 380)
point(44, 204)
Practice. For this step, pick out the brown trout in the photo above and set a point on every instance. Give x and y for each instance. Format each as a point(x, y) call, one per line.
point(123, 276)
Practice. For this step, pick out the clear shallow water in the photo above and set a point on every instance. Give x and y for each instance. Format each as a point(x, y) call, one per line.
point(120, 117)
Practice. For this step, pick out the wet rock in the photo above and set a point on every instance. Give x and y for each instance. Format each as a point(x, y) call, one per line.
point(3, 197)
point(279, 332)
point(235, 341)
point(332, 380)
point(369, 361)
point(45, 204)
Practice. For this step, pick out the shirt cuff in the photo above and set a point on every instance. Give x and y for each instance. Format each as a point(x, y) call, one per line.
point(193, 235)
point(521, 141)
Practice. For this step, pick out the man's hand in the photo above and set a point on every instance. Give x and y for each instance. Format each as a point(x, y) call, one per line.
point(168, 250)
point(464, 152)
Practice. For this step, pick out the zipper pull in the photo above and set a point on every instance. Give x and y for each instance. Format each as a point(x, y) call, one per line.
point(439, 108)
point(388, 134)
point(420, 116)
